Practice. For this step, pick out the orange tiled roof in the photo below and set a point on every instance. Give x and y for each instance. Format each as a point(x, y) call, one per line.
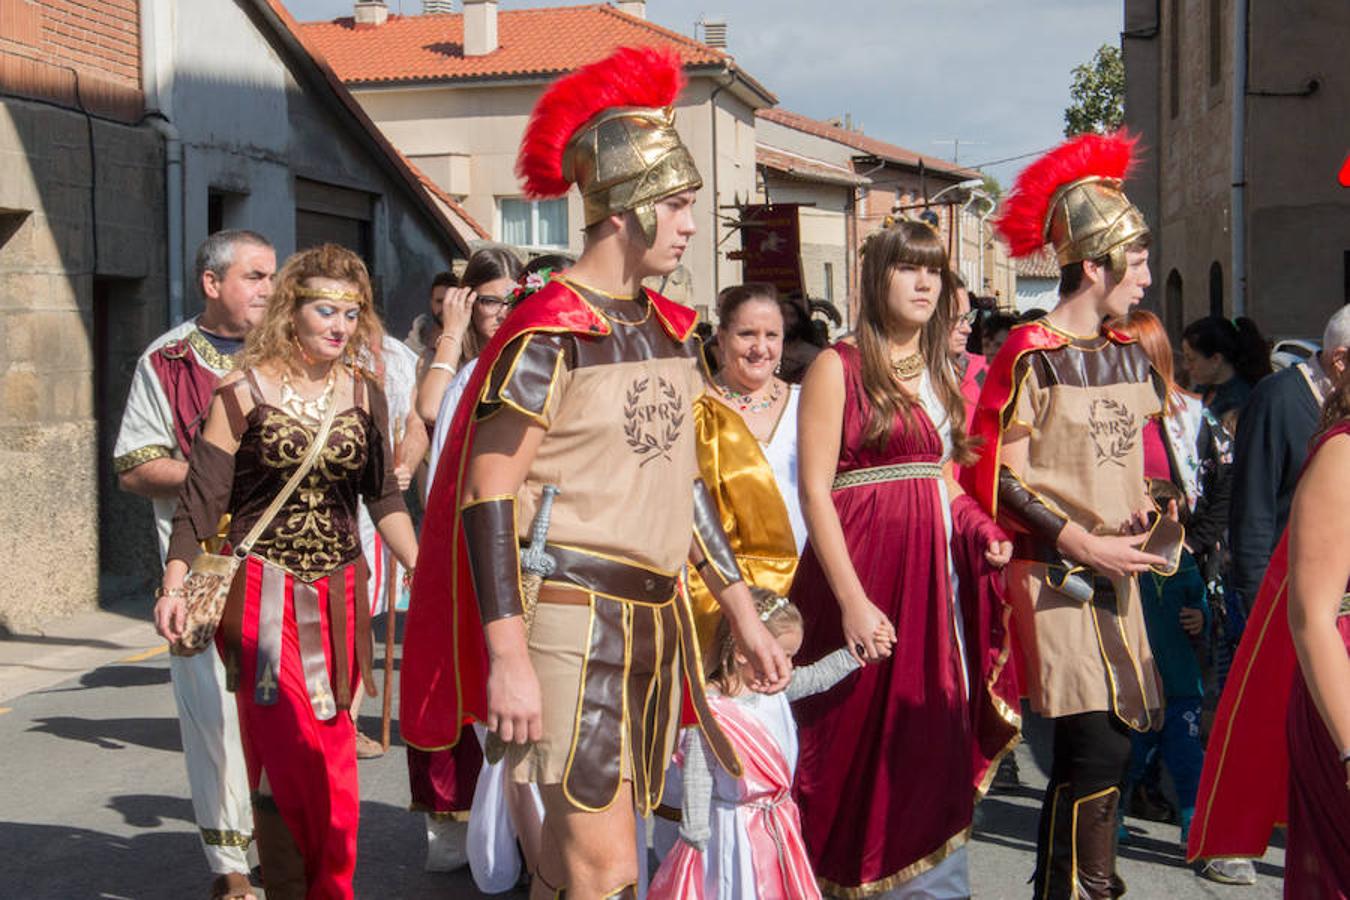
point(440, 194)
point(859, 141)
point(804, 168)
point(531, 42)
point(1041, 264)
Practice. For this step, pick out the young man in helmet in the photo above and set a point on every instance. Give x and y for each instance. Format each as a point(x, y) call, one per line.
point(587, 387)
point(1061, 415)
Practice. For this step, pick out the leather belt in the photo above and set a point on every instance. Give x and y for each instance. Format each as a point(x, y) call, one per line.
point(604, 575)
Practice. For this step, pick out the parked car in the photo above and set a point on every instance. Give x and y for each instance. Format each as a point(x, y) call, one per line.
point(1291, 351)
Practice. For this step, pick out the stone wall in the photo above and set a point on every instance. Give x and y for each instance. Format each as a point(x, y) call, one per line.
point(76, 305)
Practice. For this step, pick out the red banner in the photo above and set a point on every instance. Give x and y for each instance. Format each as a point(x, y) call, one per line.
point(772, 246)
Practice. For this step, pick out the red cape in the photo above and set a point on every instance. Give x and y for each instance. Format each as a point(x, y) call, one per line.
point(981, 479)
point(1244, 788)
point(444, 669)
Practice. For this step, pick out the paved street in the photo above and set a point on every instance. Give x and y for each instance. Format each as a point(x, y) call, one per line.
point(94, 801)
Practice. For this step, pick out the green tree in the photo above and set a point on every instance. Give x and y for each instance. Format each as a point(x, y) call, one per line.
point(1097, 94)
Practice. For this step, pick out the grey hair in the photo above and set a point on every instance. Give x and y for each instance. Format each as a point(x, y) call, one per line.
point(1338, 330)
point(216, 253)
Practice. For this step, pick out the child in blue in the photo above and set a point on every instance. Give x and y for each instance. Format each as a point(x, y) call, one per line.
point(1188, 461)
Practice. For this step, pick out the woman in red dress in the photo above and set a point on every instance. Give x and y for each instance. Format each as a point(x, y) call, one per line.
point(886, 802)
point(294, 636)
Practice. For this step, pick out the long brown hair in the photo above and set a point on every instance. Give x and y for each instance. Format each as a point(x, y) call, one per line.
point(915, 244)
point(273, 341)
point(486, 264)
point(1148, 330)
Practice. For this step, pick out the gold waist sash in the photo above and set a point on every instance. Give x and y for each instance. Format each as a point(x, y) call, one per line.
point(879, 474)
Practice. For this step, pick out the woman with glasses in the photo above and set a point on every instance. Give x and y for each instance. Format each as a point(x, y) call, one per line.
point(470, 315)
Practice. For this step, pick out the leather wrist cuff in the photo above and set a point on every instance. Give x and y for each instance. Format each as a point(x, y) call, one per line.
point(494, 556)
point(719, 558)
point(1028, 508)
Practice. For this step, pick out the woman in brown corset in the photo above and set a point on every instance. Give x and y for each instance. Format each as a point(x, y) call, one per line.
point(294, 635)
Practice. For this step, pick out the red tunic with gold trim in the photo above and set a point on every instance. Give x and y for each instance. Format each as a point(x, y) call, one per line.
point(1258, 775)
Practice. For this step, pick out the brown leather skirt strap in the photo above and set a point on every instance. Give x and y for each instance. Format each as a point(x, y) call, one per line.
point(337, 636)
point(1129, 693)
point(365, 649)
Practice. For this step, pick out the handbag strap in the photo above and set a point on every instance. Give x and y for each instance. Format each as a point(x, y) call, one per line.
point(311, 457)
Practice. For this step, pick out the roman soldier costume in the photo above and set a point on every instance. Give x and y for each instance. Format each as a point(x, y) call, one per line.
point(612, 380)
point(1081, 401)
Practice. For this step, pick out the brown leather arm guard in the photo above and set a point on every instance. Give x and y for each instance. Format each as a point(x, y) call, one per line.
point(494, 556)
point(718, 566)
point(1027, 508)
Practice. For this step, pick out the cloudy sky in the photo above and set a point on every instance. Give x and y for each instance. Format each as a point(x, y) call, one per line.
point(992, 73)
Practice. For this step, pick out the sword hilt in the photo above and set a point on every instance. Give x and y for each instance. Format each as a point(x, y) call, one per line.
point(535, 560)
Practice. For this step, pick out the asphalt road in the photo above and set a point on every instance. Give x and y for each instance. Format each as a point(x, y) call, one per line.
point(94, 802)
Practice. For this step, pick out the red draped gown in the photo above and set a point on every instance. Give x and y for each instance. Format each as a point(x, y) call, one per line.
point(884, 796)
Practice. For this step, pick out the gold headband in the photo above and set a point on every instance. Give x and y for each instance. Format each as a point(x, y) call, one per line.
point(305, 293)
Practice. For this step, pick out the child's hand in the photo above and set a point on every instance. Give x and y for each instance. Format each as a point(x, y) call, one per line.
point(884, 639)
point(1192, 620)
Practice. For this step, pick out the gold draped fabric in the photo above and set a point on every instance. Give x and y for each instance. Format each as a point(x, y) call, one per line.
point(754, 515)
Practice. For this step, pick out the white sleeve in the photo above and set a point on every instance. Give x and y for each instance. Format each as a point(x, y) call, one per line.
point(449, 403)
point(147, 430)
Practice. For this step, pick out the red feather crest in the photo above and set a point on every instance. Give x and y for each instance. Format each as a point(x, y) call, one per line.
point(630, 76)
point(1022, 219)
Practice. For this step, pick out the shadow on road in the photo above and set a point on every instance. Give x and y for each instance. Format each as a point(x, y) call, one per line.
point(113, 734)
point(152, 810)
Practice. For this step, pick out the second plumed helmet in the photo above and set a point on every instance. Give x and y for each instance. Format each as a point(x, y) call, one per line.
point(1072, 199)
point(609, 128)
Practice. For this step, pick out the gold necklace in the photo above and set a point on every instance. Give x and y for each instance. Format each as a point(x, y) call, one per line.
point(307, 410)
point(908, 367)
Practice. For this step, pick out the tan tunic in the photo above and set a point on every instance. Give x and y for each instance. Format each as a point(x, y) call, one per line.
point(620, 447)
point(1084, 407)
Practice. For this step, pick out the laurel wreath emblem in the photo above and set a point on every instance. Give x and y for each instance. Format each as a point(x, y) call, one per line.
point(657, 440)
point(1113, 428)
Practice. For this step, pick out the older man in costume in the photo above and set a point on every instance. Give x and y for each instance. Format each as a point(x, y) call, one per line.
point(170, 393)
point(1061, 416)
point(587, 387)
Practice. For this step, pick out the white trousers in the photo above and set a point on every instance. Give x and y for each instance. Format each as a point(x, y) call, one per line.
point(217, 776)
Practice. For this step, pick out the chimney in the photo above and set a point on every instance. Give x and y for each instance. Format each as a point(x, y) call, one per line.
point(435, 7)
point(480, 27)
point(371, 12)
point(715, 32)
point(635, 8)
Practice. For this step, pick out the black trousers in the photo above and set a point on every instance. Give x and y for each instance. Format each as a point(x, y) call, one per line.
point(1075, 847)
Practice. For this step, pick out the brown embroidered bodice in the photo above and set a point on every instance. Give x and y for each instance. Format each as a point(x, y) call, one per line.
point(316, 531)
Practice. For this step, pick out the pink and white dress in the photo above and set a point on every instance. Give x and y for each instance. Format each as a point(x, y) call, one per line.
point(754, 833)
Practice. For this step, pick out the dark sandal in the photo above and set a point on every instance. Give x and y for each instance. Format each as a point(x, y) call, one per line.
point(232, 886)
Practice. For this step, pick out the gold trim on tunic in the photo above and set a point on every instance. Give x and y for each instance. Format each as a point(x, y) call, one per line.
point(908, 873)
point(881, 474)
point(128, 461)
point(208, 352)
point(218, 837)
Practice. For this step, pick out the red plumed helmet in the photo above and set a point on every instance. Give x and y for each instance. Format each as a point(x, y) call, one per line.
point(630, 76)
point(1023, 218)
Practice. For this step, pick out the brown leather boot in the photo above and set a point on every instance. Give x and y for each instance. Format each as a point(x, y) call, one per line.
point(1095, 837)
point(283, 868)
